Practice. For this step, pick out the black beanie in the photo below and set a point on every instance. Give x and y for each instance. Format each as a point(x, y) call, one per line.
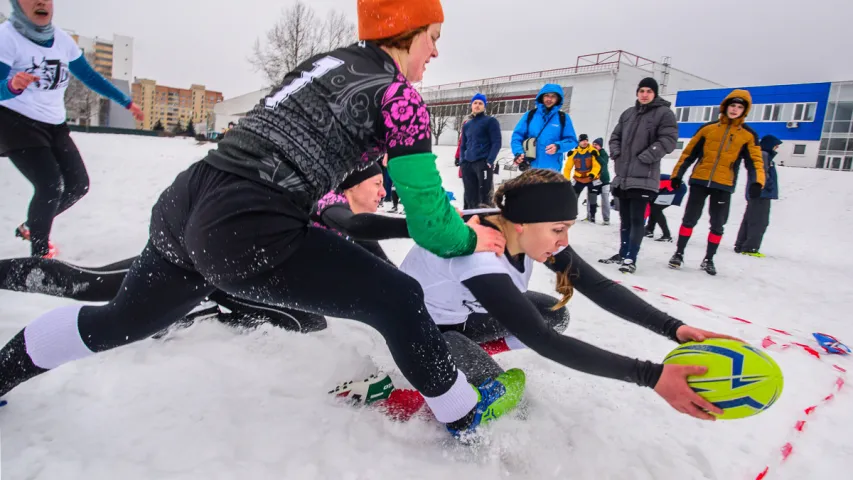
point(648, 82)
point(358, 176)
point(583, 137)
point(739, 101)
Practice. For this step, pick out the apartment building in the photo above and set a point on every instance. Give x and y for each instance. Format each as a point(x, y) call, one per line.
point(172, 106)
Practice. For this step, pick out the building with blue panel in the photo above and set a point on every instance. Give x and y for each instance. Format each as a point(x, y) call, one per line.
point(813, 120)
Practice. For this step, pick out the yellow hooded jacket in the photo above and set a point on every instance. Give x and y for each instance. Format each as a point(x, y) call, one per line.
point(585, 163)
point(719, 147)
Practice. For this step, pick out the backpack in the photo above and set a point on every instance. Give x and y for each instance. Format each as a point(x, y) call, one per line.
point(529, 143)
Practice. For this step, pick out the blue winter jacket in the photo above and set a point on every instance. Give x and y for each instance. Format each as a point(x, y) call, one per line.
point(551, 134)
point(771, 182)
point(481, 139)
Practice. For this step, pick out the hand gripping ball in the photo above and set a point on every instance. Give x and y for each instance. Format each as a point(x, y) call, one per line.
point(742, 379)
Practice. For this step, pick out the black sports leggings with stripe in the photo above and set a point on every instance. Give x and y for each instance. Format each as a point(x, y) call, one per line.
point(102, 284)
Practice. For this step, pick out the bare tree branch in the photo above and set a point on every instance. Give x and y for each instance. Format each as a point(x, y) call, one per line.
point(297, 36)
point(81, 103)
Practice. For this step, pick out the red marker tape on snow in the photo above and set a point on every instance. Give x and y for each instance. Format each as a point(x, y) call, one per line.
point(783, 332)
point(800, 425)
point(840, 369)
point(670, 297)
point(787, 450)
point(811, 409)
point(763, 474)
point(839, 383)
point(742, 320)
point(702, 307)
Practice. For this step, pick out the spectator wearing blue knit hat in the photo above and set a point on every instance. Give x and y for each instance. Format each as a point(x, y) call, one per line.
point(479, 147)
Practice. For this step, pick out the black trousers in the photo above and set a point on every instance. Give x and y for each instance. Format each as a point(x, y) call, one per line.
point(592, 208)
point(59, 180)
point(656, 217)
point(464, 339)
point(632, 215)
point(719, 204)
point(755, 221)
point(213, 230)
point(477, 179)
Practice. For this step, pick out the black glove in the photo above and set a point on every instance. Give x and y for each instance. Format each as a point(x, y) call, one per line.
point(456, 161)
point(755, 190)
point(524, 165)
point(675, 182)
point(617, 192)
point(497, 168)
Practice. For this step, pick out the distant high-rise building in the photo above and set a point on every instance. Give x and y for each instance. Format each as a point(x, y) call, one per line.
point(113, 58)
point(173, 106)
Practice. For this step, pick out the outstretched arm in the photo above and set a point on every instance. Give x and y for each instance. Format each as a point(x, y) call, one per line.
point(612, 297)
point(502, 299)
point(364, 226)
point(95, 81)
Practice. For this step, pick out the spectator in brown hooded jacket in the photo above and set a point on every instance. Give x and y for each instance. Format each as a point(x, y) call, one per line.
point(718, 148)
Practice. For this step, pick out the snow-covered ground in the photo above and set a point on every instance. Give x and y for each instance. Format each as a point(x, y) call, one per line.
point(214, 404)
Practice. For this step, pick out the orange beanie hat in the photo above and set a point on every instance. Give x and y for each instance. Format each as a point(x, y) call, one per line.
point(379, 19)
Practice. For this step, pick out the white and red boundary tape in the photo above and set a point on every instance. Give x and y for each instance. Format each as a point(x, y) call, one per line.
point(788, 448)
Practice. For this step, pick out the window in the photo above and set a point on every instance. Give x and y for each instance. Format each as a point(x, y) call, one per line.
point(682, 114)
point(708, 114)
point(771, 113)
point(679, 145)
point(804, 112)
point(836, 163)
point(820, 161)
point(848, 163)
point(799, 149)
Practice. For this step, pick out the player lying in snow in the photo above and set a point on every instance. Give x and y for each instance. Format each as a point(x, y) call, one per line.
point(348, 210)
point(479, 299)
point(483, 298)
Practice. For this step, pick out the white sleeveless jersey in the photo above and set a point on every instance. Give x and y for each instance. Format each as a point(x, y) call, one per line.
point(448, 301)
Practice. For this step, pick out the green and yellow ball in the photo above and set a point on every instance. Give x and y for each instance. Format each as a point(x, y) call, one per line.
point(741, 379)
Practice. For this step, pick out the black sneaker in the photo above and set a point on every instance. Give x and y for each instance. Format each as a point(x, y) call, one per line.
point(738, 249)
point(676, 261)
point(708, 266)
point(649, 234)
point(664, 239)
point(628, 266)
point(614, 259)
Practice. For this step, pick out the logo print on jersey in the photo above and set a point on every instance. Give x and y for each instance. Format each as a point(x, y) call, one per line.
point(321, 67)
point(52, 74)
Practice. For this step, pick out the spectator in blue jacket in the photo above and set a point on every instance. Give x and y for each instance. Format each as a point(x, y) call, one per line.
point(756, 219)
point(544, 135)
point(479, 147)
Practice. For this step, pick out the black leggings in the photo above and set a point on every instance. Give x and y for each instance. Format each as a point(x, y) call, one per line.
point(101, 284)
point(464, 339)
point(59, 180)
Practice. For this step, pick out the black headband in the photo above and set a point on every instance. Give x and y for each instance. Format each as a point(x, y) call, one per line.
point(358, 176)
point(541, 202)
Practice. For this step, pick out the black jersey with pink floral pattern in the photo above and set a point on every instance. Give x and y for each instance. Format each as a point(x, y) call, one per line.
point(333, 113)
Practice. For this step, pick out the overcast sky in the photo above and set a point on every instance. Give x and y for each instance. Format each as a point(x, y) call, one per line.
point(735, 42)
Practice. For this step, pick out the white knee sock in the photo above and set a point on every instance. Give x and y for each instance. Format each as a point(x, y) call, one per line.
point(53, 338)
point(455, 403)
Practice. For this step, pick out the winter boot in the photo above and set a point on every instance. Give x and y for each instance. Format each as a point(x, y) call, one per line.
point(496, 398)
point(628, 266)
point(614, 259)
point(708, 266)
point(23, 232)
point(676, 261)
point(370, 390)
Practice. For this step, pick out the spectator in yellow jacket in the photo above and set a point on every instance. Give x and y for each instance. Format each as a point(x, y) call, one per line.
point(718, 148)
point(584, 160)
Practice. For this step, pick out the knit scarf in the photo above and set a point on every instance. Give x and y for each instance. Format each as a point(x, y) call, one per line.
point(27, 28)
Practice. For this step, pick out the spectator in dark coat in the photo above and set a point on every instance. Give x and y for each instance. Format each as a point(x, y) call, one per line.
point(645, 133)
point(757, 215)
point(478, 150)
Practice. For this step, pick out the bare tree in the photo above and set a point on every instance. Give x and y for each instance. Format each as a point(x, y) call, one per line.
point(337, 31)
point(461, 116)
point(493, 92)
point(297, 36)
point(81, 103)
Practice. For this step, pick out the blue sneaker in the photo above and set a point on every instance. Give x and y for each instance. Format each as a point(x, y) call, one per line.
point(496, 397)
